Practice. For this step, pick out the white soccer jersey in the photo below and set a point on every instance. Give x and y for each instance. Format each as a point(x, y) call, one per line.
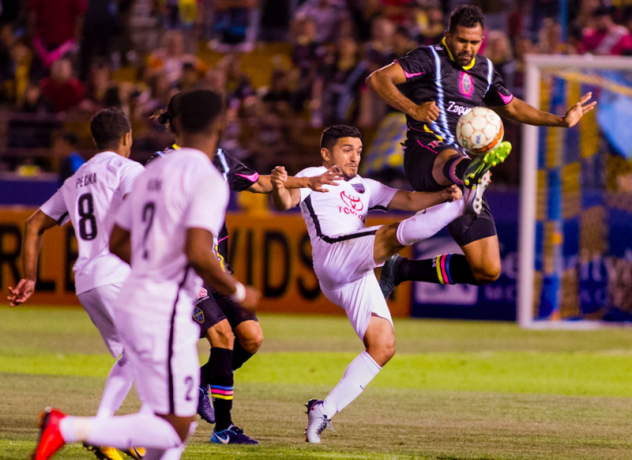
point(91, 198)
point(343, 209)
point(183, 190)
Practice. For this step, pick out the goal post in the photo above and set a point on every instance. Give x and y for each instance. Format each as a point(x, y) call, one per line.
point(574, 211)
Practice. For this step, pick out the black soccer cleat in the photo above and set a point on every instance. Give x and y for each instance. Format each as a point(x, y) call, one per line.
point(388, 281)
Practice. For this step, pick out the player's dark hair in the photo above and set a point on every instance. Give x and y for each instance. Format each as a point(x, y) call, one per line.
point(333, 133)
point(466, 16)
point(108, 126)
point(199, 109)
point(166, 117)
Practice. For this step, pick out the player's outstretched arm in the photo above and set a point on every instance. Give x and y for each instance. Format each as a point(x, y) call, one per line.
point(35, 227)
point(264, 183)
point(282, 197)
point(121, 244)
point(417, 201)
point(383, 82)
point(524, 113)
point(202, 259)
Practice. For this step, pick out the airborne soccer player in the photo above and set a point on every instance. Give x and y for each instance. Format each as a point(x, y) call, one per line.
point(441, 82)
point(345, 253)
point(165, 228)
point(90, 199)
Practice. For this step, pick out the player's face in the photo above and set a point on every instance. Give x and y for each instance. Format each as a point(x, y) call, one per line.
point(464, 43)
point(346, 155)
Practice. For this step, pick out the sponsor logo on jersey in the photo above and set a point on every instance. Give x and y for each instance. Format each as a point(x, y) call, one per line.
point(434, 144)
point(354, 202)
point(466, 84)
point(453, 107)
point(203, 293)
point(198, 315)
point(358, 188)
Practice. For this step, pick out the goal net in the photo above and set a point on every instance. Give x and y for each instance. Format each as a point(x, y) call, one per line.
point(575, 242)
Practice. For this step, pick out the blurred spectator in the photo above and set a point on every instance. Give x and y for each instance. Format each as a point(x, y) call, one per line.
point(549, 38)
point(338, 91)
point(214, 80)
point(396, 10)
point(431, 27)
point(189, 77)
point(120, 96)
point(171, 57)
point(379, 49)
point(96, 87)
point(605, 37)
point(402, 43)
point(155, 97)
point(278, 96)
point(34, 102)
point(498, 50)
point(363, 12)
point(55, 26)
point(307, 54)
point(232, 23)
point(65, 147)
point(240, 93)
point(326, 14)
point(543, 10)
point(100, 25)
point(62, 89)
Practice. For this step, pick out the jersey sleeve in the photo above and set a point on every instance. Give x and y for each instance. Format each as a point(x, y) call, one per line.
point(129, 174)
point(124, 215)
point(309, 172)
point(55, 208)
point(240, 177)
point(207, 209)
point(417, 63)
point(381, 195)
point(497, 95)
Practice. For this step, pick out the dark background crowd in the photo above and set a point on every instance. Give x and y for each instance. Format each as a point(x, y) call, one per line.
point(287, 67)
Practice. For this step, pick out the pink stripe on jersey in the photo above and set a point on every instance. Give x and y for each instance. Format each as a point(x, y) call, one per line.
point(506, 99)
point(426, 147)
point(251, 177)
point(410, 75)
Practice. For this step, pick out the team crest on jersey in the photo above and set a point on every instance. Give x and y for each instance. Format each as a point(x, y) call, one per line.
point(466, 84)
point(358, 188)
point(354, 202)
point(198, 315)
point(203, 293)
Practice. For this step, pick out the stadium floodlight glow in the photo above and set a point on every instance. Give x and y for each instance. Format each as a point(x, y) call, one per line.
point(558, 177)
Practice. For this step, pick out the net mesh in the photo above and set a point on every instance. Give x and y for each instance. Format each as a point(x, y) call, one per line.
point(584, 200)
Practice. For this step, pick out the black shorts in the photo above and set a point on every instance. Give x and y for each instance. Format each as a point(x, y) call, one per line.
point(214, 307)
point(420, 154)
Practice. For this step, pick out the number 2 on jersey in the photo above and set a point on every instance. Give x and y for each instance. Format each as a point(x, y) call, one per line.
point(148, 219)
point(87, 221)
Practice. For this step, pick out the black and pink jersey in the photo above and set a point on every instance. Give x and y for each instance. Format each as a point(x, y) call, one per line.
point(433, 75)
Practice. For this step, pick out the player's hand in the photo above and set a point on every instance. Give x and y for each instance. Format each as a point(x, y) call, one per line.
point(452, 193)
point(577, 111)
point(426, 112)
point(252, 298)
point(278, 177)
point(329, 178)
point(21, 293)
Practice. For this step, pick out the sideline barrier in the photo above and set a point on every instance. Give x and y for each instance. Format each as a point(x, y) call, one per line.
point(271, 252)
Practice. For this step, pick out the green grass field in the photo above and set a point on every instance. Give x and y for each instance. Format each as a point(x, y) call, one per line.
point(455, 390)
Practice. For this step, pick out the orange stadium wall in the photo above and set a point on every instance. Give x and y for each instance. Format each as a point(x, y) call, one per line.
point(271, 252)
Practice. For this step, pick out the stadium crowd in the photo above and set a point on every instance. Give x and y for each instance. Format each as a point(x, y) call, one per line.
point(67, 59)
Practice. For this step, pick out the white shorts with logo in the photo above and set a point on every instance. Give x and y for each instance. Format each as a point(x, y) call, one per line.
point(100, 303)
point(344, 267)
point(162, 350)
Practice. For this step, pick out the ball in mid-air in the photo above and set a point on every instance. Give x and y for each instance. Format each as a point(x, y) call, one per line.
point(479, 130)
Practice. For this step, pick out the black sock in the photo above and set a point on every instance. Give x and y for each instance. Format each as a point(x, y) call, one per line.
point(455, 167)
point(221, 381)
point(443, 269)
point(240, 355)
point(205, 372)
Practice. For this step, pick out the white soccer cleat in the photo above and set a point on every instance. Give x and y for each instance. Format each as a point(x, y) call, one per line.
point(316, 421)
point(474, 196)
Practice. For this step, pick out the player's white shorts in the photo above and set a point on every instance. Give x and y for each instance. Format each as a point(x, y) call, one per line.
point(345, 273)
point(100, 304)
point(163, 357)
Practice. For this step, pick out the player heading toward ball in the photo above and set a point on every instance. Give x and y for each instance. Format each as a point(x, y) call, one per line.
point(345, 253)
point(441, 83)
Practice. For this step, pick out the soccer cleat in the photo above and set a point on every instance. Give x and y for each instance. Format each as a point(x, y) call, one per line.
point(316, 421)
point(137, 453)
point(388, 283)
point(205, 408)
point(232, 435)
point(481, 164)
point(474, 196)
point(50, 439)
point(103, 453)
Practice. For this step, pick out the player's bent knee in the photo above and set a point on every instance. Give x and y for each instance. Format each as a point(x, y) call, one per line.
point(221, 335)
point(250, 336)
point(486, 275)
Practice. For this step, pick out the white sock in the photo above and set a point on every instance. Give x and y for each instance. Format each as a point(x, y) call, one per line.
point(356, 377)
point(117, 386)
point(122, 432)
point(426, 223)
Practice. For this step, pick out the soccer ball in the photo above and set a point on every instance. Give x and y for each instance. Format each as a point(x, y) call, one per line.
point(479, 130)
